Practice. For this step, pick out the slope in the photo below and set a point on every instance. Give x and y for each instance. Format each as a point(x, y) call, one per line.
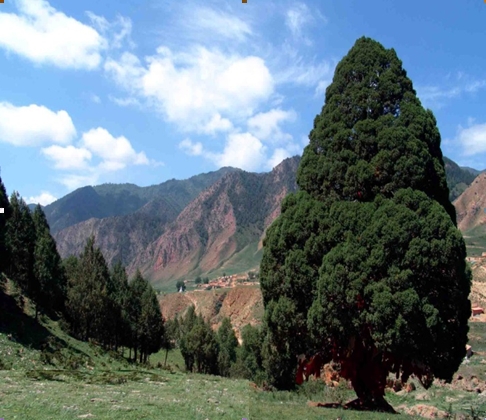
point(224, 223)
point(120, 199)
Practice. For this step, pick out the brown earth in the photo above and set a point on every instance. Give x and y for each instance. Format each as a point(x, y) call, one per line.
point(242, 304)
point(470, 205)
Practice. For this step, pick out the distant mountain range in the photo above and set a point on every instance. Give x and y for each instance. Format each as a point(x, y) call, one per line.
point(205, 225)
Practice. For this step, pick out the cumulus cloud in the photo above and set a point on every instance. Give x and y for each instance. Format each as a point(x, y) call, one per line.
point(266, 125)
point(42, 34)
point(44, 198)
point(191, 148)
point(116, 152)
point(34, 125)
point(242, 150)
point(196, 88)
point(472, 139)
point(68, 157)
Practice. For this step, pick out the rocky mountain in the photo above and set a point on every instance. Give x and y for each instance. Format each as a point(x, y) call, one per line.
point(207, 225)
point(122, 199)
point(222, 228)
point(121, 238)
point(471, 215)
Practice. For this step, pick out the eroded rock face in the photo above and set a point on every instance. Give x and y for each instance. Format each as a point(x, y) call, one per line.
point(471, 204)
point(242, 305)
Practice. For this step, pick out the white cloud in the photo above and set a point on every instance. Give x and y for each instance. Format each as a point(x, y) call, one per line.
point(191, 148)
point(73, 181)
point(95, 98)
point(437, 96)
point(472, 139)
point(116, 153)
point(43, 35)
point(201, 22)
point(125, 101)
point(117, 33)
point(68, 157)
point(278, 156)
point(33, 125)
point(265, 125)
point(196, 88)
point(217, 124)
point(44, 198)
point(297, 17)
point(242, 150)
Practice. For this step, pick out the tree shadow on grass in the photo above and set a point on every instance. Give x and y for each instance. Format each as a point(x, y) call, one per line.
point(357, 405)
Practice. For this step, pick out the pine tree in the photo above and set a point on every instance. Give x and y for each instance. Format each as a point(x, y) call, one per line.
point(228, 343)
point(119, 279)
point(365, 264)
point(48, 269)
point(7, 211)
point(136, 289)
point(151, 324)
point(20, 239)
point(88, 296)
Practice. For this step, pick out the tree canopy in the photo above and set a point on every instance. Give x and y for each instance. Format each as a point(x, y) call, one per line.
point(365, 264)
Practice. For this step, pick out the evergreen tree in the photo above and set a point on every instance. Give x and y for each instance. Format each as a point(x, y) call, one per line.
point(88, 296)
point(151, 324)
point(20, 241)
point(120, 296)
point(7, 211)
point(48, 269)
point(365, 264)
point(228, 343)
point(198, 344)
point(136, 290)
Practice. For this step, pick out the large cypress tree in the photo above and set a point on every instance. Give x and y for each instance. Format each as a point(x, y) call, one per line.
point(365, 264)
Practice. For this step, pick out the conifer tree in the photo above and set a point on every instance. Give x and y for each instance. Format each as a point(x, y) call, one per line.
point(136, 290)
point(228, 343)
point(365, 264)
point(48, 270)
point(88, 296)
point(20, 241)
point(151, 324)
point(5, 205)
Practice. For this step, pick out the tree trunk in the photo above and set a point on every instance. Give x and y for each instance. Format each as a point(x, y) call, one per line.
point(166, 354)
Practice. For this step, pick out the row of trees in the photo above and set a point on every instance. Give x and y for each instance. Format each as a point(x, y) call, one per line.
point(29, 254)
point(102, 305)
point(95, 303)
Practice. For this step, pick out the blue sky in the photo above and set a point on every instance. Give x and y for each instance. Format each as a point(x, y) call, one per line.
point(145, 91)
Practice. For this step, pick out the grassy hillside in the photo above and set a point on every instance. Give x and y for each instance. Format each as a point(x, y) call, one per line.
point(46, 374)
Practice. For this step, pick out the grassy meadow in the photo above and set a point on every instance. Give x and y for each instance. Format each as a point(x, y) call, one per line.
point(46, 374)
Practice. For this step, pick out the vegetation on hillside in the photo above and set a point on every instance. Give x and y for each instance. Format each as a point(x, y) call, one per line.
point(458, 179)
point(365, 265)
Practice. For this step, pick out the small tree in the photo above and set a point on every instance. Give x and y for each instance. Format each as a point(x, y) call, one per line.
point(198, 280)
point(228, 343)
point(180, 285)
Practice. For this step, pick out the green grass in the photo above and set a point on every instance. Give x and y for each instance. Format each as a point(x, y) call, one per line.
point(46, 374)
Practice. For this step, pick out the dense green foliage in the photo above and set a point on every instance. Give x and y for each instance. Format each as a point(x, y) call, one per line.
point(5, 205)
point(103, 306)
point(228, 344)
point(365, 265)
